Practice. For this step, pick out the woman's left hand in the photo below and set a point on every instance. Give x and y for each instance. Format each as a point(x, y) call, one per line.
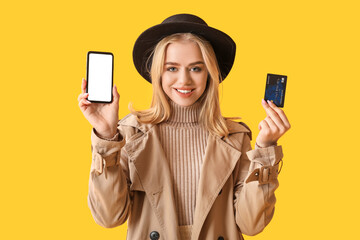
point(273, 126)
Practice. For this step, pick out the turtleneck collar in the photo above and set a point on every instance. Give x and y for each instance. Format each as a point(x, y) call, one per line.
point(181, 114)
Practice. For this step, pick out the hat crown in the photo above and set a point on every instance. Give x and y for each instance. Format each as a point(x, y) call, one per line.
point(184, 18)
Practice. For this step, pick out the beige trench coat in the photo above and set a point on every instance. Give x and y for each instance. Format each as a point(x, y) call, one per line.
point(130, 181)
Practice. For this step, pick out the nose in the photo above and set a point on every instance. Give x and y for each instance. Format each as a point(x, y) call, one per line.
point(184, 77)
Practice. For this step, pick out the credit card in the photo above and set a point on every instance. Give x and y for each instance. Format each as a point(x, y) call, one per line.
point(275, 89)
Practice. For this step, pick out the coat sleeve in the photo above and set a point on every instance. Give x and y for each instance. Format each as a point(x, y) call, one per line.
point(254, 201)
point(108, 197)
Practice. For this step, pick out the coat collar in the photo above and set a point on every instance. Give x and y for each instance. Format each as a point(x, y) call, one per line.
point(131, 120)
point(154, 174)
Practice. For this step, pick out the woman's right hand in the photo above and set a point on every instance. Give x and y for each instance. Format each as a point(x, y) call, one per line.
point(102, 116)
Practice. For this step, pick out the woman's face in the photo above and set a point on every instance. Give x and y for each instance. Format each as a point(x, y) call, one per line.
point(185, 74)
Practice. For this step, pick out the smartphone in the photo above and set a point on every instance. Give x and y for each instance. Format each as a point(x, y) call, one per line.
point(99, 75)
point(275, 89)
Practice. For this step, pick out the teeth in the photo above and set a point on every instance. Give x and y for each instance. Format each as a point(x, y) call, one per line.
point(183, 91)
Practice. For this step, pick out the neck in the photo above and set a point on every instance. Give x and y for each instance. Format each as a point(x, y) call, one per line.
point(188, 114)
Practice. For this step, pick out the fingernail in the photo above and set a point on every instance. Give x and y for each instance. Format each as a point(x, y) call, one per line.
point(263, 101)
point(269, 101)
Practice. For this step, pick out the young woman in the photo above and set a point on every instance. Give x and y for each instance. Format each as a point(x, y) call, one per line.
point(179, 170)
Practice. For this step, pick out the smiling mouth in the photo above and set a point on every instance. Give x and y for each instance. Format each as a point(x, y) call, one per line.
point(184, 91)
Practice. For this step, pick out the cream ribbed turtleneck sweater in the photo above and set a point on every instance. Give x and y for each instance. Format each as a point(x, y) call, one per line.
point(184, 141)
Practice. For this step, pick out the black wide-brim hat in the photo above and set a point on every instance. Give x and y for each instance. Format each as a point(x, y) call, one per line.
point(224, 47)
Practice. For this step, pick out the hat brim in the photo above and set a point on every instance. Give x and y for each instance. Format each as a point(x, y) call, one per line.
point(224, 47)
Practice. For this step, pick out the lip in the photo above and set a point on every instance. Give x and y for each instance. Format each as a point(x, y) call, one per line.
point(185, 88)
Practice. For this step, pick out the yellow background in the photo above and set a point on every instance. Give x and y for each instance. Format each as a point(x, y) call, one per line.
point(45, 140)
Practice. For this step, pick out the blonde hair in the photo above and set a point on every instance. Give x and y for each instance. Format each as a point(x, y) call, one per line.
point(160, 110)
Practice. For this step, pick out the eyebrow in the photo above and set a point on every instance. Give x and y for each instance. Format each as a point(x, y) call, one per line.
point(177, 64)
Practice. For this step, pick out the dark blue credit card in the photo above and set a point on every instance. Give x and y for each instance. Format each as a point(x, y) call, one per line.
point(275, 89)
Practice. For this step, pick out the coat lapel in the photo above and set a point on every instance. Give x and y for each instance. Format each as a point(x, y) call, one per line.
point(219, 162)
point(153, 171)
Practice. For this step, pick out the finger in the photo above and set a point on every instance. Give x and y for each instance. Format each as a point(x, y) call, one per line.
point(271, 112)
point(83, 95)
point(80, 96)
point(84, 102)
point(264, 126)
point(273, 127)
point(83, 85)
point(116, 94)
point(281, 114)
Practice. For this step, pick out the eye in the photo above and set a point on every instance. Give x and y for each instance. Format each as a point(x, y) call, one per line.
point(171, 69)
point(195, 69)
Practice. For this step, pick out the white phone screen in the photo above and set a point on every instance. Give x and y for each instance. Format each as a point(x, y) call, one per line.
point(100, 76)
